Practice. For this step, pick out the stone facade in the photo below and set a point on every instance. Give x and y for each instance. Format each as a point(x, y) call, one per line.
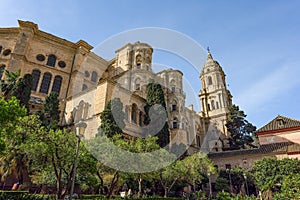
point(86, 82)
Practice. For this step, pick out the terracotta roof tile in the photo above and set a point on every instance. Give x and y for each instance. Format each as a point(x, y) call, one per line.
point(283, 147)
point(280, 122)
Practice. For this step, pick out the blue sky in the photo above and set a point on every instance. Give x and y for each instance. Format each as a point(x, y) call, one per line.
point(256, 42)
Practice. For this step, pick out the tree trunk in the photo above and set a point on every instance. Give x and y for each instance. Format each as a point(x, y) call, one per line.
point(59, 186)
point(140, 187)
point(166, 192)
point(112, 184)
point(101, 183)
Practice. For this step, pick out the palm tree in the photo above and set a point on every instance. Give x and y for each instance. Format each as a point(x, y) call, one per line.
point(7, 85)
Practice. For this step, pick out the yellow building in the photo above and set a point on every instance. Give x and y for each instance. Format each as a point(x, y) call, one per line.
point(86, 82)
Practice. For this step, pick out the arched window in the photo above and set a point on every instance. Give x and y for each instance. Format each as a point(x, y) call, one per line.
point(57, 84)
point(1, 48)
point(134, 111)
point(213, 105)
point(51, 60)
point(35, 79)
point(209, 80)
point(138, 84)
point(46, 83)
point(84, 87)
point(94, 77)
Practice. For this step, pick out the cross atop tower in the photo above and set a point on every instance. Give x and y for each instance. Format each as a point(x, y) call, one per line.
point(208, 50)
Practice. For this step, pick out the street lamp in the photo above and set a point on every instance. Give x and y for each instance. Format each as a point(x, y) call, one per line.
point(245, 177)
point(209, 181)
point(80, 129)
point(230, 182)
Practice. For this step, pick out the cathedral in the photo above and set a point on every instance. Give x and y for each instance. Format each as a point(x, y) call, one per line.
point(85, 83)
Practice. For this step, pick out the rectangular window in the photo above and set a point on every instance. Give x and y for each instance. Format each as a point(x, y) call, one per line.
point(173, 107)
point(175, 125)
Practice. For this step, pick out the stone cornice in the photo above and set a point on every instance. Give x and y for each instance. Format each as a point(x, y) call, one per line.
point(82, 43)
point(9, 30)
point(169, 71)
point(98, 58)
point(27, 24)
point(48, 36)
point(56, 39)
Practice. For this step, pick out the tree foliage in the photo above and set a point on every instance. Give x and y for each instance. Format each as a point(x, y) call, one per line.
point(238, 181)
point(22, 90)
point(290, 188)
point(112, 118)
point(155, 96)
point(52, 154)
point(10, 114)
point(191, 170)
point(270, 173)
point(13, 85)
point(124, 158)
point(241, 131)
point(13, 133)
point(50, 114)
point(7, 85)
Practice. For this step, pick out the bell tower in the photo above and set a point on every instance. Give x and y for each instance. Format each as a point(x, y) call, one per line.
point(214, 97)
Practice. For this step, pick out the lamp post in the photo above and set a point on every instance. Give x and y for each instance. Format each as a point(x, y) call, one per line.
point(230, 182)
point(245, 177)
point(80, 129)
point(209, 181)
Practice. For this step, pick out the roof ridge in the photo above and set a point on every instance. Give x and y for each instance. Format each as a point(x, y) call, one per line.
point(275, 124)
point(288, 118)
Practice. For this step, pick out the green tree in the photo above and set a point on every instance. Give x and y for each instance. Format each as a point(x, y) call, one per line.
point(52, 155)
point(241, 131)
point(51, 114)
point(142, 145)
point(112, 118)
point(192, 170)
point(222, 184)
point(237, 180)
point(269, 174)
point(11, 136)
point(7, 85)
point(290, 188)
point(22, 90)
point(10, 114)
point(156, 101)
